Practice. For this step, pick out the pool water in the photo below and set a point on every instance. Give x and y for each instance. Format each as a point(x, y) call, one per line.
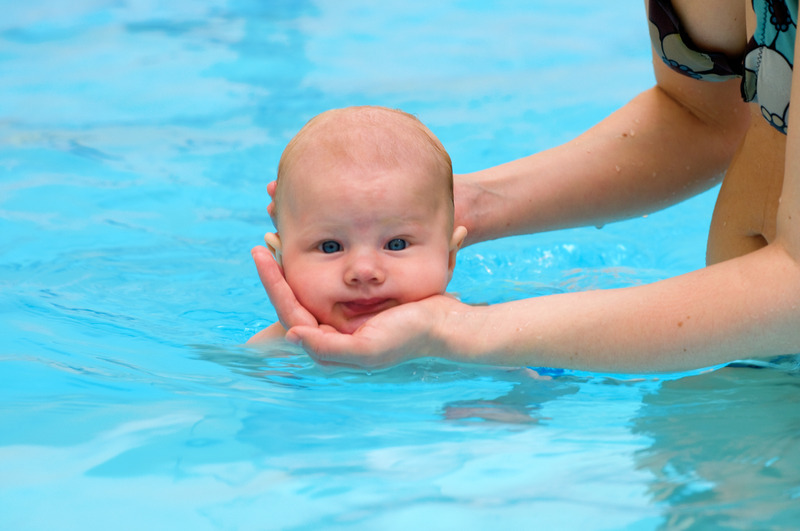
point(136, 142)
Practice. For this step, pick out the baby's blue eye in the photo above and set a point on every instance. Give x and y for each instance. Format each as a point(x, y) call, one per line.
point(330, 246)
point(398, 244)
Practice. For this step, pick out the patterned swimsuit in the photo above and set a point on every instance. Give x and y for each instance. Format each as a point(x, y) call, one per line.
point(765, 68)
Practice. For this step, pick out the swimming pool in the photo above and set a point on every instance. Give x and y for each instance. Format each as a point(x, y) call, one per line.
point(137, 141)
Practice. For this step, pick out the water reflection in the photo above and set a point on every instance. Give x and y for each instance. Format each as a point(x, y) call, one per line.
point(726, 448)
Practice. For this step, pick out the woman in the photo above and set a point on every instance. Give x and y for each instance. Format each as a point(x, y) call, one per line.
point(670, 142)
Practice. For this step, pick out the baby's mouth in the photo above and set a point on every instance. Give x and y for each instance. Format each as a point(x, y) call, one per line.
point(358, 307)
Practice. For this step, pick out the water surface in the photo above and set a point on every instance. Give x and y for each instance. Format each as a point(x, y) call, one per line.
point(136, 142)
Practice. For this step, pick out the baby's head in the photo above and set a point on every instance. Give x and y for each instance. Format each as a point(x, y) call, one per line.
point(364, 214)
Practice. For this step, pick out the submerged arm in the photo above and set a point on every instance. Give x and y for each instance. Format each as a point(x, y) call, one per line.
point(746, 307)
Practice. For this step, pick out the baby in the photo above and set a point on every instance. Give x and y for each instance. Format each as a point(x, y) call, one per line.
point(364, 215)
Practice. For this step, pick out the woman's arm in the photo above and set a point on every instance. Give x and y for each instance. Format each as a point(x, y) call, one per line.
point(746, 307)
point(667, 144)
point(742, 308)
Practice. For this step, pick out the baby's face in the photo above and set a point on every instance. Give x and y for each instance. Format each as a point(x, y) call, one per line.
point(359, 240)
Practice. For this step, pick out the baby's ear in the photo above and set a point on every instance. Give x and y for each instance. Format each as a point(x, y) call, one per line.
point(273, 242)
point(456, 241)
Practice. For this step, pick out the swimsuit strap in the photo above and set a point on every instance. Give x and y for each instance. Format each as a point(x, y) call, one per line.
point(769, 60)
point(676, 48)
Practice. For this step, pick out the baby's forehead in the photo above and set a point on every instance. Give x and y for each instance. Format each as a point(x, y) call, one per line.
point(345, 147)
point(364, 143)
point(363, 173)
point(366, 130)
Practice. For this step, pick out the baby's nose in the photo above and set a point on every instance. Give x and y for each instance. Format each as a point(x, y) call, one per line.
point(365, 268)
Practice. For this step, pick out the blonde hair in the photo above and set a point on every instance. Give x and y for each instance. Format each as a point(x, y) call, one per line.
point(357, 127)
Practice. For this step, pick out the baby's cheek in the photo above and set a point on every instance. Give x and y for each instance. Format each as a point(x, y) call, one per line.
point(313, 304)
point(426, 283)
point(305, 294)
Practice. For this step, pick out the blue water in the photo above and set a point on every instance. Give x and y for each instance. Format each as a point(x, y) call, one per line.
point(136, 142)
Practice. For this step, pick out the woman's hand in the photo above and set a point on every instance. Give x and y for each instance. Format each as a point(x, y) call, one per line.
point(401, 333)
point(468, 197)
point(405, 332)
point(271, 187)
point(290, 311)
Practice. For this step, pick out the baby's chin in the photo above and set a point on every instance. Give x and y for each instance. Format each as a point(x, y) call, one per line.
point(349, 326)
point(348, 319)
